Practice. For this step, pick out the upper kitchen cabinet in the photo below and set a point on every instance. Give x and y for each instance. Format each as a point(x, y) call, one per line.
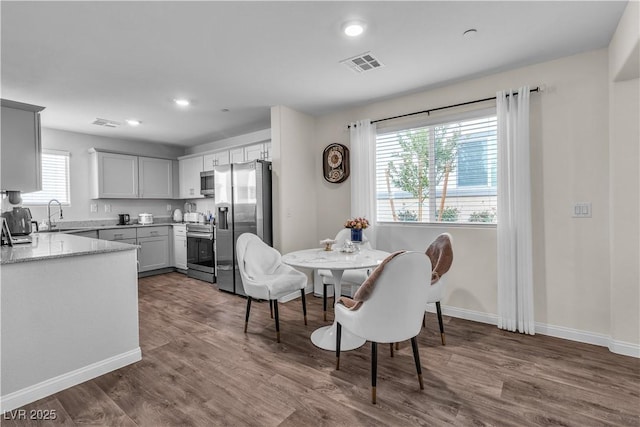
point(125, 176)
point(236, 155)
point(215, 159)
point(155, 178)
point(21, 147)
point(189, 170)
point(260, 151)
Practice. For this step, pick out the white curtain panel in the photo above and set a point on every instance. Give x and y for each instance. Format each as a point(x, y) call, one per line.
point(363, 174)
point(515, 259)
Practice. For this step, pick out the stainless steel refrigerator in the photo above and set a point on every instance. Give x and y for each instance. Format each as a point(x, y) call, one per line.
point(243, 205)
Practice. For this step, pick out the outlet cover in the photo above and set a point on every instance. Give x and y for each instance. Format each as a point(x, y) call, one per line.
point(582, 210)
point(168, 208)
point(94, 207)
point(107, 207)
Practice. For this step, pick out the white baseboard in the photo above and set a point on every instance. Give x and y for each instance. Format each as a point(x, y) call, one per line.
point(53, 385)
point(618, 347)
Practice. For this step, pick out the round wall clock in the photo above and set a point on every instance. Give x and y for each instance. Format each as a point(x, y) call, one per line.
point(335, 163)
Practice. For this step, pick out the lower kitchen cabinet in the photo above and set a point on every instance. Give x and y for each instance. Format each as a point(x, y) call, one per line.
point(180, 246)
point(154, 247)
point(153, 253)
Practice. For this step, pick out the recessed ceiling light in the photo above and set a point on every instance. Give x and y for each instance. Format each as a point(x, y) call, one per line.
point(353, 28)
point(182, 102)
point(470, 32)
point(133, 122)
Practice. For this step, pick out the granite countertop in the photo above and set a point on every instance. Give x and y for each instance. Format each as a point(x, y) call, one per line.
point(58, 245)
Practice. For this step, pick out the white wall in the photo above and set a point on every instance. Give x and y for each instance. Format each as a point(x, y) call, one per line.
point(78, 145)
point(624, 167)
point(570, 164)
point(293, 160)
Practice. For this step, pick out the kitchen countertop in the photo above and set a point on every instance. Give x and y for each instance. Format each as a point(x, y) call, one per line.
point(58, 245)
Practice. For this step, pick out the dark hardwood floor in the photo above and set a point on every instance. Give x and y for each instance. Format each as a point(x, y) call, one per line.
point(199, 368)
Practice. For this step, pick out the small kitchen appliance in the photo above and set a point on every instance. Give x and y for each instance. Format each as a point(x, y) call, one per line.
point(145, 218)
point(207, 184)
point(19, 221)
point(191, 217)
point(177, 215)
point(124, 219)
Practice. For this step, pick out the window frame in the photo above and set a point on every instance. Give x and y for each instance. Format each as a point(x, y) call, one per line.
point(54, 152)
point(435, 119)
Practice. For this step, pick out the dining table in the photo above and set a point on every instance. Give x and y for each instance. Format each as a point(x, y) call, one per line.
point(337, 261)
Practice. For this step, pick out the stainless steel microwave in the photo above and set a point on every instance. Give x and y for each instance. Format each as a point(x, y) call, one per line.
point(207, 184)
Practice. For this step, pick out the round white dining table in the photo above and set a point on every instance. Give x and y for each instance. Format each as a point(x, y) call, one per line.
point(336, 261)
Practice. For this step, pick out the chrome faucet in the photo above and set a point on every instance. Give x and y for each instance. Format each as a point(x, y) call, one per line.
point(49, 211)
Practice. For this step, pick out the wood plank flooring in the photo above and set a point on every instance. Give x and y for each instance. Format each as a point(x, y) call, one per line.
point(200, 369)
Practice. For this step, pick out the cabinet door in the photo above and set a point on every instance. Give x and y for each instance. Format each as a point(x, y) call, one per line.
point(253, 152)
point(236, 155)
point(189, 170)
point(180, 252)
point(115, 176)
point(216, 159)
point(21, 150)
point(154, 253)
point(156, 178)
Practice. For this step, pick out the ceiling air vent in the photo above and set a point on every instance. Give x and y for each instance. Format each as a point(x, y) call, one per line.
point(105, 123)
point(363, 62)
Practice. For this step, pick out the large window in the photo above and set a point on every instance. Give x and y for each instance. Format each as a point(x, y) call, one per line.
point(442, 171)
point(55, 179)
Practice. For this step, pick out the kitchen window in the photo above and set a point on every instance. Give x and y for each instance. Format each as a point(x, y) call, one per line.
point(55, 179)
point(438, 170)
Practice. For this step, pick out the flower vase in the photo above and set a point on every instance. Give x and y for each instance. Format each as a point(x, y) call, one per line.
point(356, 235)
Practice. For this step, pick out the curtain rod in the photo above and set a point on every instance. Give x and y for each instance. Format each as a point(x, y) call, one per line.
point(535, 89)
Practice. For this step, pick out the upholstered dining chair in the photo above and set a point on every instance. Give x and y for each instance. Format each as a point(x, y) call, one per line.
point(387, 308)
point(440, 252)
point(350, 277)
point(265, 277)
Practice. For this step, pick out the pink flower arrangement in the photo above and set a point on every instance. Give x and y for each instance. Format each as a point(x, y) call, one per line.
point(359, 223)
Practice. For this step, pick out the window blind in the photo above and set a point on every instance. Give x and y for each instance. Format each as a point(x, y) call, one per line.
point(445, 171)
point(55, 179)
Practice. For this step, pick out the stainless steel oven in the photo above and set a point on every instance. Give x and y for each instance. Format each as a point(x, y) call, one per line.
point(201, 253)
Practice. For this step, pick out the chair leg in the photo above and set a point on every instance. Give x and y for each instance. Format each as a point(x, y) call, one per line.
point(271, 308)
point(246, 318)
point(374, 370)
point(416, 358)
point(275, 311)
point(391, 348)
point(324, 301)
point(397, 346)
point(338, 337)
point(424, 319)
point(439, 310)
point(304, 305)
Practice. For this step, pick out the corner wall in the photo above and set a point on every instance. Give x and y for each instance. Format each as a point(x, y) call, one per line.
point(570, 164)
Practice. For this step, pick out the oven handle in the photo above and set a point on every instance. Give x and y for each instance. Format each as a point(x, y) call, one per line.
point(195, 234)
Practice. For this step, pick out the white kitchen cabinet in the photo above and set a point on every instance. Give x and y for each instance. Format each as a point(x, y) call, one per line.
point(155, 178)
point(260, 151)
point(236, 155)
point(113, 176)
point(180, 246)
point(125, 176)
point(154, 253)
point(189, 171)
point(21, 148)
point(216, 159)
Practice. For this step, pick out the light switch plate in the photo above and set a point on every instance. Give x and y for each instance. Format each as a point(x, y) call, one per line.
point(168, 208)
point(107, 207)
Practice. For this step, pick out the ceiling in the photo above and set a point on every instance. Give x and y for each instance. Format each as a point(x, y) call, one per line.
point(120, 60)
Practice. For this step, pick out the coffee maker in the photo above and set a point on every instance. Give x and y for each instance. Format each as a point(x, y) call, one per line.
point(124, 219)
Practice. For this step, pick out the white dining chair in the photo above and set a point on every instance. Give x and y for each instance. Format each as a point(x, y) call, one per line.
point(387, 308)
point(350, 278)
point(265, 277)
